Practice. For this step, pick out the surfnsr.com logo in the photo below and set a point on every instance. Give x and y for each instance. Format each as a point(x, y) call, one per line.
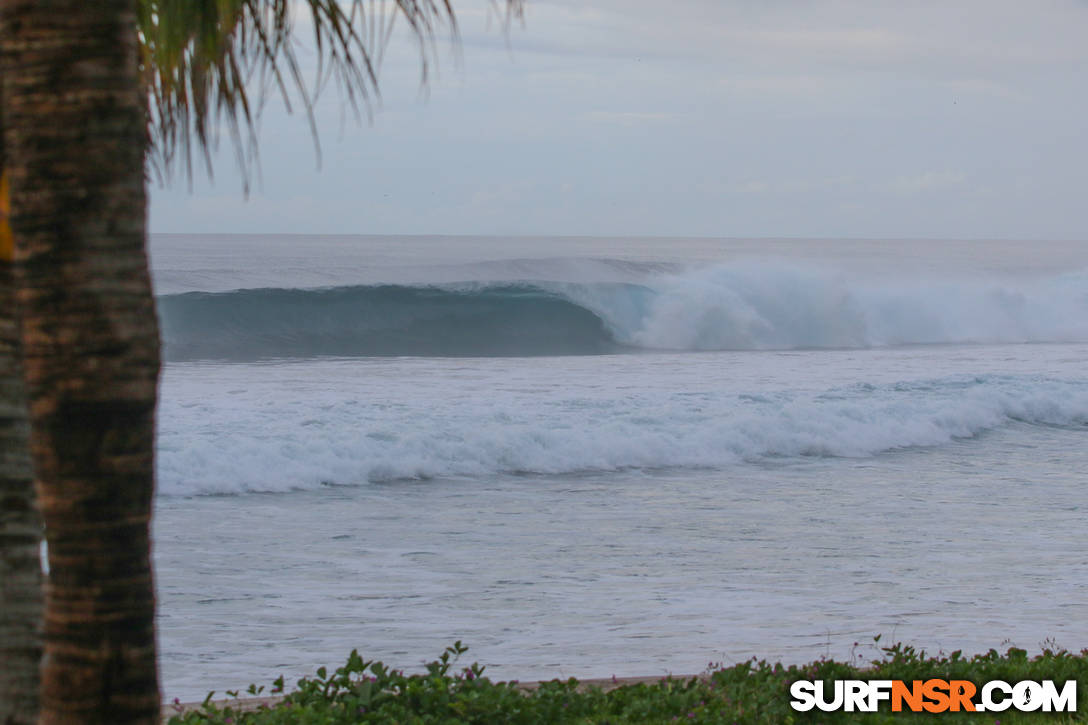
point(934, 696)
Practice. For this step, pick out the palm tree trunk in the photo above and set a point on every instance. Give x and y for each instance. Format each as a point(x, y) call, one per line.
point(75, 138)
point(20, 527)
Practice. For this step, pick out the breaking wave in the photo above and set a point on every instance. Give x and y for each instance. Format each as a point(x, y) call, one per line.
point(235, 438)
point(729, 307)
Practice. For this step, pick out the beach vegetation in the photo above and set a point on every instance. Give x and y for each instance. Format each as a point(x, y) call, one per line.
point(754, 691)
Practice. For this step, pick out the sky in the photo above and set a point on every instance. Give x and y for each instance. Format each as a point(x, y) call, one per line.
point(883, 119)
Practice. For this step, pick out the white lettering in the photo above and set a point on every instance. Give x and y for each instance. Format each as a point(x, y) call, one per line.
point(988, 702)
point(1027, 696)
point(879, 690)
point(835, 703)
point(1064, 701)
point(804, 696)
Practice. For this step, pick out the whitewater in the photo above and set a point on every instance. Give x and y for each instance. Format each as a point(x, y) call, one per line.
point(603, 456)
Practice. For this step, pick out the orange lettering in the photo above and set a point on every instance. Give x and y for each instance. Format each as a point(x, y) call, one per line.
point(912, 695)
point(936, 691)
point(961, 692)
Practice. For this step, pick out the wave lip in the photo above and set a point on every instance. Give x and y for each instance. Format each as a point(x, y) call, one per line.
point(741, 306)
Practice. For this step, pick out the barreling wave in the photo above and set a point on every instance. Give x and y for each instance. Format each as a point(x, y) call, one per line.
point(729, 307)
point(464, 320)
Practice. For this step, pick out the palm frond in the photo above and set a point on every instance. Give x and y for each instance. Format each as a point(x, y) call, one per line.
point(210, 64)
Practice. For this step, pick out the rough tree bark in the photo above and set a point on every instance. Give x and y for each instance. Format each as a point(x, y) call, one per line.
point(20, 527)
point(74, 133)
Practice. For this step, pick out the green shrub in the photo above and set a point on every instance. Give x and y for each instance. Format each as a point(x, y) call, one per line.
point(751, 692)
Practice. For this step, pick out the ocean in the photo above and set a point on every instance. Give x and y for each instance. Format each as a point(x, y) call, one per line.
point(592, 457)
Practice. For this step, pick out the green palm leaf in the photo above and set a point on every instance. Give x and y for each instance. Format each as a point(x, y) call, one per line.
point(209, 64)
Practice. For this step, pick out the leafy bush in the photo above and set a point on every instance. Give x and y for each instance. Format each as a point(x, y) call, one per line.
point(751, 692)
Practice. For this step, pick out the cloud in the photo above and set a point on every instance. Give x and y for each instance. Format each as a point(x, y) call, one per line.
point(859, 117)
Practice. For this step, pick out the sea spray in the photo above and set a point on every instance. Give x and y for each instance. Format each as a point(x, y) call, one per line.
point(740, 306)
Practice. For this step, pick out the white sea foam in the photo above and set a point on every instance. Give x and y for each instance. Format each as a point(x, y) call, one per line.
point(760, 306)
point(225, 431)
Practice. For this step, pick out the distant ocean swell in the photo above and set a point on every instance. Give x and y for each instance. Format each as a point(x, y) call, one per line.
point(224, 445)
point(730, 307)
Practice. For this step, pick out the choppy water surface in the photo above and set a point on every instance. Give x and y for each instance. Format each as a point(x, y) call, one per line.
point(795, 474)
